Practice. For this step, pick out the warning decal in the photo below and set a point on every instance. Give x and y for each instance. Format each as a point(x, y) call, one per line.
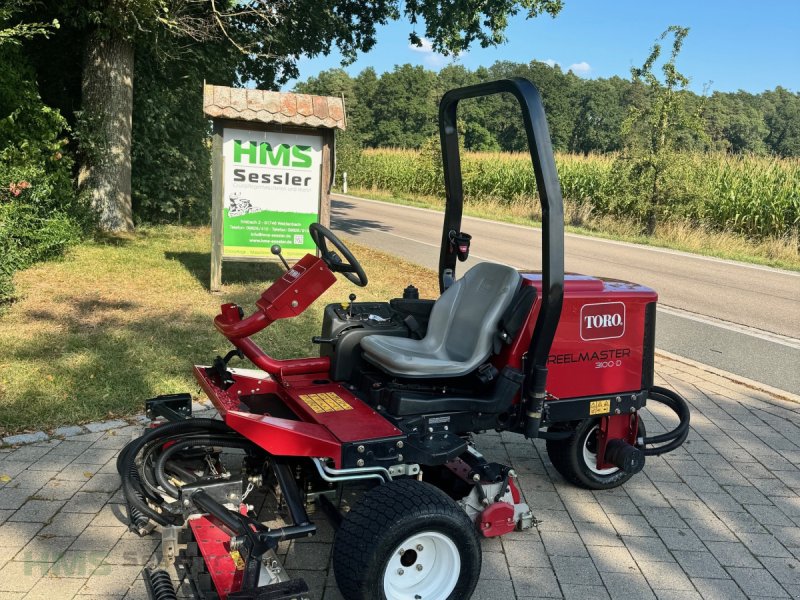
point(325, 403)
point(600, 407)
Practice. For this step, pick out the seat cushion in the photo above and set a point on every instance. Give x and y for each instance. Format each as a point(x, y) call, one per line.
point(462, 325)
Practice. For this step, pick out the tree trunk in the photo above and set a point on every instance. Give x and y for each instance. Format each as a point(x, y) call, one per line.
point(107, 106)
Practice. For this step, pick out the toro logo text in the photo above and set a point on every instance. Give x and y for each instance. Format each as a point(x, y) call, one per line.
point(603, 321)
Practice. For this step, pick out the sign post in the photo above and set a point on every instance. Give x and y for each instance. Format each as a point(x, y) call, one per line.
point(272, 170)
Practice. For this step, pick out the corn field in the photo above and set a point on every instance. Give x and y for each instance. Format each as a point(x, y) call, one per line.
point(755, 196)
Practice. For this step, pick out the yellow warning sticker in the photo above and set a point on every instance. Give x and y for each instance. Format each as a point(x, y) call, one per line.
point(325, 403)
point(599, 407)
point(237, 560)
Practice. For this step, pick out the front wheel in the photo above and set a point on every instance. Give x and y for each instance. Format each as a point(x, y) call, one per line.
point(406, 540)
point(575, 458)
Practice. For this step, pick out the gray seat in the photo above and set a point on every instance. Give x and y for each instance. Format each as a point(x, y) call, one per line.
point(461, 329)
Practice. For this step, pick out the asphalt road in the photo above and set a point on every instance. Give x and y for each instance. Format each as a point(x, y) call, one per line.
point(738, 317)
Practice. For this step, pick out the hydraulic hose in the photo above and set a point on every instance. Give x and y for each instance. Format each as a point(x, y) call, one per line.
point(180, 446)
point(132, 487)
point(674, 438)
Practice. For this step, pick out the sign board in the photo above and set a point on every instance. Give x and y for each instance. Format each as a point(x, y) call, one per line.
point(271, 191)
point(272, 158)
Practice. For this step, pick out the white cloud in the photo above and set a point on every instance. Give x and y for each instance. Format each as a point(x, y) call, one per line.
point(435, 61)
point(550, 62)
point(580, 69)
point(426, 46)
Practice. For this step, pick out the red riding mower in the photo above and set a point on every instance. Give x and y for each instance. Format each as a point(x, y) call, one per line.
point(390, 407)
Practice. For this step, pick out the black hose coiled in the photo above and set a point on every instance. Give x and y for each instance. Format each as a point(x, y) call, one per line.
point(159, 585)
point(126, 464)
point(671, 439)
point(181, 445)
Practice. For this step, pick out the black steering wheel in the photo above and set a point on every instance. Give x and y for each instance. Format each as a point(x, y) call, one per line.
point(350, 267)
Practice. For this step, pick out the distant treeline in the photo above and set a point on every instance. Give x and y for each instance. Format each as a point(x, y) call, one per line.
point(399, 109)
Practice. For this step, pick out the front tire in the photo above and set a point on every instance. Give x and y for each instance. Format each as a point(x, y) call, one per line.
point(404, 540)
point(575, 458)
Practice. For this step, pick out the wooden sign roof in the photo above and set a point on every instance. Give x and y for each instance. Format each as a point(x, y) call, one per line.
point(273, 107)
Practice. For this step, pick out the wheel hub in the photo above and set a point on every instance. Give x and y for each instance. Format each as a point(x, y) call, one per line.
point(426, 566)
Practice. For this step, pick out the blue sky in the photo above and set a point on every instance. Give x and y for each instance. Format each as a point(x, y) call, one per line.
point(732, 44)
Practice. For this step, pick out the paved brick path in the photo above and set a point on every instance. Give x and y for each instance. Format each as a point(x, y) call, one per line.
point(718, 519)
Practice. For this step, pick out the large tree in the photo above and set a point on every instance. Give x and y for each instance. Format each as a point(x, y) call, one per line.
point(269, 37)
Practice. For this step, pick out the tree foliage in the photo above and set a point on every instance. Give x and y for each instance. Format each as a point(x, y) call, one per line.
point(584, 115)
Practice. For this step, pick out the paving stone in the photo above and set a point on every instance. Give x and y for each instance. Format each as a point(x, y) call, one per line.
point(647, 549)
point(732, 554)
point(26, 438)
point(101, 426)
point(598, 534)
point(624, 586)
point(627, 525)
point(40, 511)
point(78, 564)
point(757, 582)
point(69, 431)
point(102, 483)
point(681, 538)
point(574, 569)
point(49, 588)
point(563, 544)
point(677, 595)
point(700, 564)
point(525, 553)
point(487, 589)
point(534, 581)
point(95, 456)
point(494, 566)
point(785, 570)
point(18, 576)
point(98, 538)
point(718, 589)
point(58, 490)
point(764, 545)
point(665, 576)
point(111, 582)
point(308, 555)
point(612, 559)
point(584, 592)
point(711, 530)
point(67, 524)
point(84, 502)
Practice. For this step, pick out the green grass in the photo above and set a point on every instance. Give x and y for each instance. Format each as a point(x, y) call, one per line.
point(122, 320)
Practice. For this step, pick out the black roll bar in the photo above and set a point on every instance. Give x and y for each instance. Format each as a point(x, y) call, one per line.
point(547, 183)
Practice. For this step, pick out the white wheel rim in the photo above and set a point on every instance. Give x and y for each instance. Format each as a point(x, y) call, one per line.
point(590, 458)
point(425, 566)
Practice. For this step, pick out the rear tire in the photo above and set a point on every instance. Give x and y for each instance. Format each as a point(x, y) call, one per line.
point(406, 539)
point(575, 458)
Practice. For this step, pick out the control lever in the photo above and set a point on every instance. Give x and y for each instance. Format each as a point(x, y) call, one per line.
point(352, 298)
point(276, 250)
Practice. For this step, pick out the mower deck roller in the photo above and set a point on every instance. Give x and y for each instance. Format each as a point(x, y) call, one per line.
point(379, 430)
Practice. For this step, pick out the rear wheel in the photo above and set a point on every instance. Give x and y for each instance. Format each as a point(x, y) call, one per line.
point(406, 540)
point(575, 458)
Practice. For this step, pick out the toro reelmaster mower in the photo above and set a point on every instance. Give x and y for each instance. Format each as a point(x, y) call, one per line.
point(390, 407)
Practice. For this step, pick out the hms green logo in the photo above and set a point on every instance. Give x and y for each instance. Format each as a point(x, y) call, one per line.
point(263, 153)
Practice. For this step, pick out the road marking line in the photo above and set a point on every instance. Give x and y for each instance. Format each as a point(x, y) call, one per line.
point(588, 237)
point(775, 338)
point(768, 336)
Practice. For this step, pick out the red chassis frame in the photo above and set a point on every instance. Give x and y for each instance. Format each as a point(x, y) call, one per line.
point(296, 382)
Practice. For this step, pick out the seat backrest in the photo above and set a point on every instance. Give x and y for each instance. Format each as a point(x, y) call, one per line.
point(464, 319)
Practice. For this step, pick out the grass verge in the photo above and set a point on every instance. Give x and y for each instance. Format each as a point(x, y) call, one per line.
point(122, 320)
point(783, 253)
